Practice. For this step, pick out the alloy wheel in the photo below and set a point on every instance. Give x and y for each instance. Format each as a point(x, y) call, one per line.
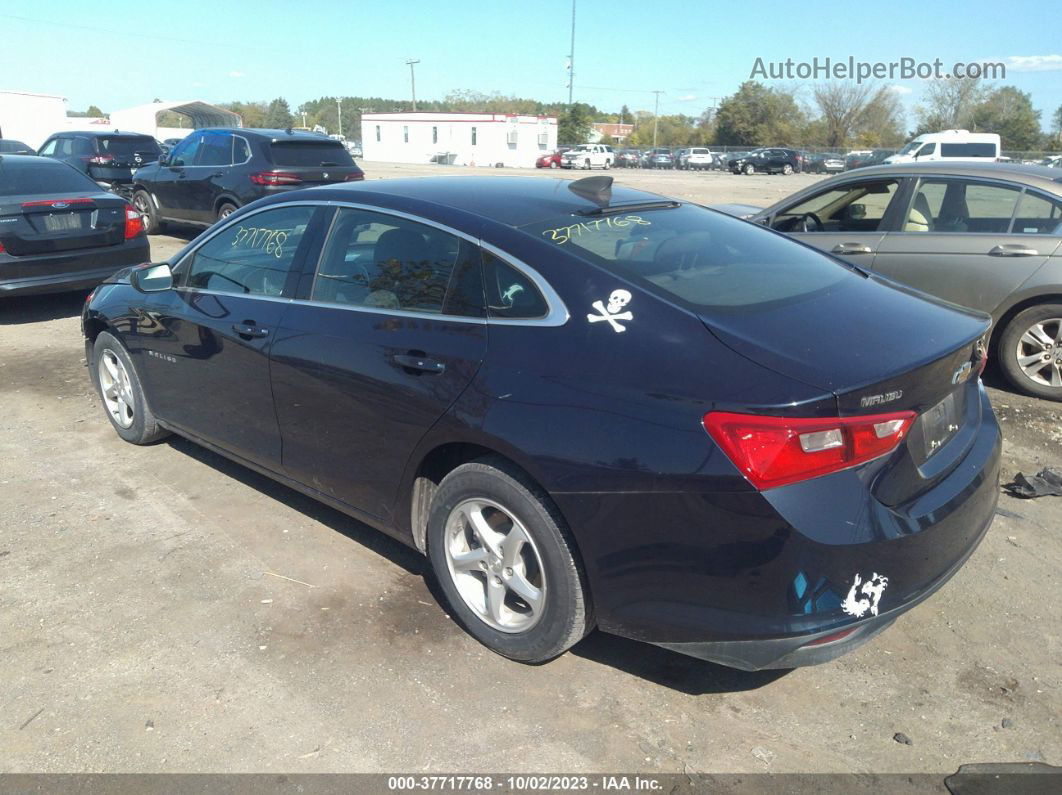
point(1039, 352)
point(140, 203)
point(495, 566)
point(117, 389)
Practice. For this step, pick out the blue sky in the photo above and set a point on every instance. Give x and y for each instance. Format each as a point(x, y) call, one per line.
point(695, 52)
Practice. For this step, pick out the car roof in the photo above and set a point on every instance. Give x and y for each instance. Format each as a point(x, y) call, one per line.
point(513, 201)
point(271, 134)
point(103, 134)
point(1039, 176)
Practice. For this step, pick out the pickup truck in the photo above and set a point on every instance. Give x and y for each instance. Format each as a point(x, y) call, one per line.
point(588, 156)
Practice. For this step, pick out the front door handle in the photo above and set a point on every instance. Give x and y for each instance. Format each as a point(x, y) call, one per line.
point(250, 330)
point(850, 248)
point(1013, 250)
point(414, 362)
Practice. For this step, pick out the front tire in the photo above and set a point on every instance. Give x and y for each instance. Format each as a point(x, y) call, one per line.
point(506, 562)
point(1030, 351)
point(121, 393)
point(553, 164)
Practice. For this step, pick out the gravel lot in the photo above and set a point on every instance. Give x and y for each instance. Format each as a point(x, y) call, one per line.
point(162, 609)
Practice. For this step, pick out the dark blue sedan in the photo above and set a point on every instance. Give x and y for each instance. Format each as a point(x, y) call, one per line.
point(587, 405)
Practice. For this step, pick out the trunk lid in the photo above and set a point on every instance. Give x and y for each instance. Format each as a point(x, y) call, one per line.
point(913, 354)
point(32, 225)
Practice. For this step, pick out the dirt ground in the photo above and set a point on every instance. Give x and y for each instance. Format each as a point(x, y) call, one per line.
point(162, 609)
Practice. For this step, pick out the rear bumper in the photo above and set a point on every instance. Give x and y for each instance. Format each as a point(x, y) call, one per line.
point(69, 270)
point(749, 579)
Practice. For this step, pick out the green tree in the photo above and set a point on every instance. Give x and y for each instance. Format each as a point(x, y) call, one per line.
point(94, 112)
point(841, 104)
point(573, 125)
point(253, 114)
point(758, 116)
point(882, 123)
point(279, 114)
point(1009, 112)
point(1056, 125)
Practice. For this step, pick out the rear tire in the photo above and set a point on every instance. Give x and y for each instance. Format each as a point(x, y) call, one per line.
point(494, 537)
point(750, 169)
point(787, 169)
point(225, 209)
point(1030, 351)
point(148, 214)
point(121, 393)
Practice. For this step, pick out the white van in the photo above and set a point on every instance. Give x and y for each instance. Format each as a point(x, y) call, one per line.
point(957, 145)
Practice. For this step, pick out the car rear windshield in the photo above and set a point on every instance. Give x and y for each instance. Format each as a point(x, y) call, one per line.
point(705, 259)
point(312, 154)
point(44, 177)
point(126, 146)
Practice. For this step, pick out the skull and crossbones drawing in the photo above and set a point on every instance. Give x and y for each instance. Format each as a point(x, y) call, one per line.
point(613, 313)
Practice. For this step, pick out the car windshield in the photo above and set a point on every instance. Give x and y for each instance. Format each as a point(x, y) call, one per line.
point(311, 154)
point(910, 147)
point(127, 146)
point(39, 177)
point(705, 259)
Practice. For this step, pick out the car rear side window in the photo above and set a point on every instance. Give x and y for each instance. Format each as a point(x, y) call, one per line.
point(251, 256)
point(385, 262)
point(704, 259)
point(1037, 215)
point(241, 152)
point(310, 154)
point(42, 178)
point(510, 294)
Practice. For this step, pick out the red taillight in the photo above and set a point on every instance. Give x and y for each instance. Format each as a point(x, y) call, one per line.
point(354, 177)
point(275, 178)
point(1, 248)
point(982, 352)
point(134, 224)
point(775, 451)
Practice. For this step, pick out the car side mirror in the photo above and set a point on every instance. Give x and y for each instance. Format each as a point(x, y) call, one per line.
point(857, 212)
point(152, 278)
point(164, 159)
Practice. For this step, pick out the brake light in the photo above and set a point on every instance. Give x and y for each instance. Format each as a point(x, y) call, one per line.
point(1, 248)
point(57, 204)
point(275, 178)
point(776, 451)
point(354, 177)
point(134, 224)
point(982, 352)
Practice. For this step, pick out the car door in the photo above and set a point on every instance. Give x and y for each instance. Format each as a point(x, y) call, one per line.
point(970, 241)
point(169, 186)
point(198, 186)
point(848, 219)
point(389, 334)
point(205, 343)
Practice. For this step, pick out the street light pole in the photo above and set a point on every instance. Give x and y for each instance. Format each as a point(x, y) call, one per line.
point(339, 113)
point(571, 60)
point(656, 115)
point(413, 80)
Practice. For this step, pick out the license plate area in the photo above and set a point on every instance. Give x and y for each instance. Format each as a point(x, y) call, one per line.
point(62, 222)
point(940, 423)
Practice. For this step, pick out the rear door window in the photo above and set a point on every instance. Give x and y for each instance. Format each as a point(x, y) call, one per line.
point(384, 262)
point(215, 149)
point(251, 257)
point(702, 258)
point(312, 154)
point(956, 205)
point(1037, 215)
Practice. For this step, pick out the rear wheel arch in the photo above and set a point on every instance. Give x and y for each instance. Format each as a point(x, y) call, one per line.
point(1013, 311)
point(223, 200)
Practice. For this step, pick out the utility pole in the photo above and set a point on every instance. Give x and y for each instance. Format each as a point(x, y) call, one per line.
point(571, 61)
point(413, 80)
point(656, 114)
point(339, 113)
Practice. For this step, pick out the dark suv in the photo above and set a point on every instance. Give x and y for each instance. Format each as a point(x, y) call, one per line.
point(108, 157)
point(213, 172)
point(767, 161)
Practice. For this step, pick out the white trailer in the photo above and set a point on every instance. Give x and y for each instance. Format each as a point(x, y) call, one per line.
point(481, 139)
point(29, 117)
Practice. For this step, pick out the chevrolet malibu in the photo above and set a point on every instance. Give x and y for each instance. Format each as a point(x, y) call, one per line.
point(589, 406)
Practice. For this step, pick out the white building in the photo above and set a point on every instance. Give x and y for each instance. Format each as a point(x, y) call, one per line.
point(31, 118)
point(481, 139)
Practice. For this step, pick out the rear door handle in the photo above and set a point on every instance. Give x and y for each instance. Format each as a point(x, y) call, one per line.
point(850, 248)
point(1013, 250)
point(422, 363)
point(250, 330)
